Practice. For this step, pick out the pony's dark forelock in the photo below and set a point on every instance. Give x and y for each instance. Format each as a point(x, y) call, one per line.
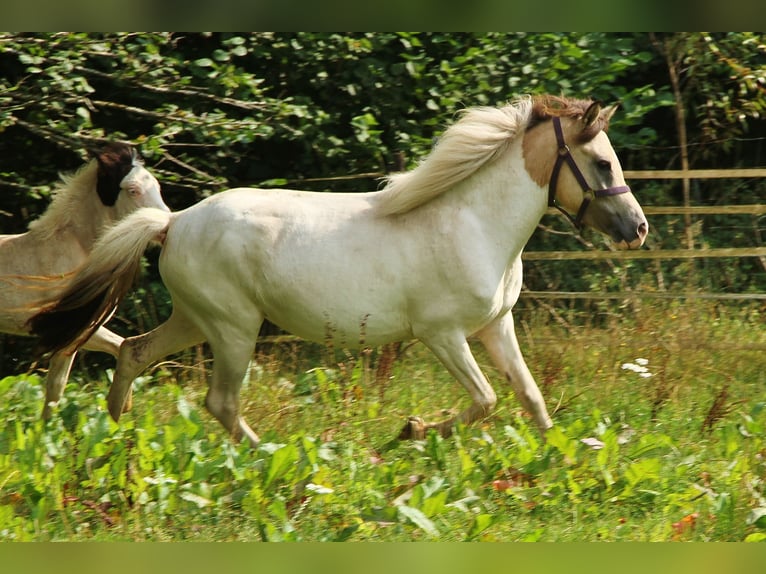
point(115, 160)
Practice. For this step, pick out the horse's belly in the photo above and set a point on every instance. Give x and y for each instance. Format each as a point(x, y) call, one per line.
point(348, 328)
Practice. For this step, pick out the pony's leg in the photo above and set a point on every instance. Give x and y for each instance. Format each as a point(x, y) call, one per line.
point(231, 357)
point(106, 341)
point(500, 340)
point(455, 354)
point(58, 373)
point(137, 353)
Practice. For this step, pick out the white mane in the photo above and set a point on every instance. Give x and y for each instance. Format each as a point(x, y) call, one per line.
point(68, 200)
point(478, 137)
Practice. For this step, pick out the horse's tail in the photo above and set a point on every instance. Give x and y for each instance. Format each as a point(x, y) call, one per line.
point(107, 275)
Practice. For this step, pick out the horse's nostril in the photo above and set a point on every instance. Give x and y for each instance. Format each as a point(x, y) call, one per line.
point(643, 229)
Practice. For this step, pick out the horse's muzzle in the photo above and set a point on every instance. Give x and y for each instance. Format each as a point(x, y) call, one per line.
point(634, 239)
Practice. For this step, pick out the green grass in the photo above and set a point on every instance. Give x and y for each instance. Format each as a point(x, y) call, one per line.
point(679, 455)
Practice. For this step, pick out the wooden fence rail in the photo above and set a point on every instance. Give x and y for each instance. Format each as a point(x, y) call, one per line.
point(646, 254)
point(748, 209)
point(694, 173)
point(751, 209)
point(622, 295)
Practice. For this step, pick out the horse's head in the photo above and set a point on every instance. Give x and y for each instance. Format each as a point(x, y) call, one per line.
point(584, 176)
point(124, 182)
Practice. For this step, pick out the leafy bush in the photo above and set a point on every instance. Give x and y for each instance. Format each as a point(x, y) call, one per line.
point(642, 450)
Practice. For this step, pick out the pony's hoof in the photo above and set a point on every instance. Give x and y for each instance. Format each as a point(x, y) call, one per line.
point(414, 429)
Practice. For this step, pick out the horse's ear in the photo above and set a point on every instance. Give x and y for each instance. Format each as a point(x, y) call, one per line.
point(591, 114)
point(608, 112)
point(93, 152)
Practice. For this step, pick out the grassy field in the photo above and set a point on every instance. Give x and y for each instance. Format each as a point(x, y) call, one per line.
point(660, 435)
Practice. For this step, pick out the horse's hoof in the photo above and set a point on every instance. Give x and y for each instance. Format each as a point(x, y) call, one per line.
point(414, 429)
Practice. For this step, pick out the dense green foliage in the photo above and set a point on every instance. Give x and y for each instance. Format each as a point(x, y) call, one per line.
point(678, 455)
point(215, 110)
point(224, 109)
point(307, 110)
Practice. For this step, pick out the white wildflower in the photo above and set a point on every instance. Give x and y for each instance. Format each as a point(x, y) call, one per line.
point(635, 368)
point(593, 443)
point(639, 367)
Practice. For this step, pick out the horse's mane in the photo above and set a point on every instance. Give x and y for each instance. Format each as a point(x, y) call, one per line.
point(480, 135)
point(97, 183)
point(68, 197)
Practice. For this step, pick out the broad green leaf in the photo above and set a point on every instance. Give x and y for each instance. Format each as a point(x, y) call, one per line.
point(418, 519)
point(480, 523)
point(200, 501)
point(757, 517)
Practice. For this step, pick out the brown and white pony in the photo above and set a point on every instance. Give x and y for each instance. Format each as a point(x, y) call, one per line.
point(435, 255)
point(36, 266)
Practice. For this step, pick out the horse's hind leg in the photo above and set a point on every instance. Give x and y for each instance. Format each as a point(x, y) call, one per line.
point(58, 373)
point(231, 356)
point(500, 340)
point(455, 354)
point(137, 353)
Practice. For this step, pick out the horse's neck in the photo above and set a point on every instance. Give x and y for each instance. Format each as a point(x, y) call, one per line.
point(76, 212)
point(508, 203)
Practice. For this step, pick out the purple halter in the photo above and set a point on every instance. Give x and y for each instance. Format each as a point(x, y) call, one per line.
point(565, 155)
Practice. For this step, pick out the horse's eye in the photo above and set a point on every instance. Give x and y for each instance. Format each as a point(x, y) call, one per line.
point(604, 165)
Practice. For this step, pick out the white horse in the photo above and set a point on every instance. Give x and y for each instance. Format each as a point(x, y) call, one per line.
point(35, 266)
point(435, 255)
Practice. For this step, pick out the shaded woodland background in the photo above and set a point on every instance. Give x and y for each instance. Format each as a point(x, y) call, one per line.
point(335, 112)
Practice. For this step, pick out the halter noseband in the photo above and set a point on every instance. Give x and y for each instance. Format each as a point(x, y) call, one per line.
point(565, 155)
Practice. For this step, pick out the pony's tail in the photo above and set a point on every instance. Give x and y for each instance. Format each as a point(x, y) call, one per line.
point(94, 292)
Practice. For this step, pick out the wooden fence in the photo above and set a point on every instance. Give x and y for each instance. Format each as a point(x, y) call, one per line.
point(753, 209)
point(685, 210)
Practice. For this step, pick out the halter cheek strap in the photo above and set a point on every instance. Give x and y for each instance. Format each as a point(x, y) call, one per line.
point(565, 155)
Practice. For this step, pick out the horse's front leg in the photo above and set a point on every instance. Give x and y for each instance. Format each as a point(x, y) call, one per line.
point(499, 337)
point(58, 373)
point(455, 354)
point(105, 341)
